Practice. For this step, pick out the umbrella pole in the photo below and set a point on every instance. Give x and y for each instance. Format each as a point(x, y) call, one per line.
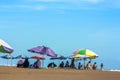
point(11, 61)
point(42, 63)
point(90, 60)
point(84, 64)
point(7, 62)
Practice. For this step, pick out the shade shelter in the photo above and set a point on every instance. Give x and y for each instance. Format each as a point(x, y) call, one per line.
point(43, 50)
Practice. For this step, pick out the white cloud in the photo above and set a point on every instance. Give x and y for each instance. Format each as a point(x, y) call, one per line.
point(91, 1)
point(39, 7)
point(65, 5)
point(102, 3)
point(44, 0)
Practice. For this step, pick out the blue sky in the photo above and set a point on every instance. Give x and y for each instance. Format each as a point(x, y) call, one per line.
point(64, 26)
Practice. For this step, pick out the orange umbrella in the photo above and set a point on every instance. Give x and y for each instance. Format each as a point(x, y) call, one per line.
point(38, 57)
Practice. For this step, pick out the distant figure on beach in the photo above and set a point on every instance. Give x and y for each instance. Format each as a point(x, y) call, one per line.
point(54, 65)
point(61, 65)
point(37, 64)
point(72, 65)
point(94, 66)
point(20, 63)
point(101, 66)
point(89, 65)
point(79, 65)
point(67, 64)
point(51, 65)
point(26, 63)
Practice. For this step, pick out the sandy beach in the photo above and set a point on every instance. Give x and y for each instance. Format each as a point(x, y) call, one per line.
point(13, 73)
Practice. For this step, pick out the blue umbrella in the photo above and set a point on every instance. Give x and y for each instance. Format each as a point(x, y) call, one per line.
point(59, 58)
point(21, 56)
point(7, 57)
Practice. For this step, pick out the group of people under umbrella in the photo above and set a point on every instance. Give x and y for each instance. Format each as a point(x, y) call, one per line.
point(26, 64)
point(43, 50)
point(75, 65)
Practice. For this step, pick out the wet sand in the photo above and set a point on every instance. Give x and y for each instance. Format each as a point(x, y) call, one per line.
point(13, 73)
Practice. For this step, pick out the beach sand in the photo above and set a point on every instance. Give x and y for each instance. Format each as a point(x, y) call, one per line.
point(13, 73)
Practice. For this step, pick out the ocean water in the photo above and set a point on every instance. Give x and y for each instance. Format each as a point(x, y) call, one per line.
point(115, 70)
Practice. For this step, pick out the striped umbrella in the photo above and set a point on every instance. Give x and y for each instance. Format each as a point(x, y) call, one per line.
point(85, 52)
point(80, 57)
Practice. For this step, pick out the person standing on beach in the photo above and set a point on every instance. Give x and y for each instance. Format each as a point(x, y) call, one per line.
point(101, 66)
point(89, 65)
point(72, 65)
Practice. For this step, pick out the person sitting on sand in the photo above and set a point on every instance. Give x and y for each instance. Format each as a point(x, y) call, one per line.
point(89, 65)
point(20, 63)
point(37, 64)
point(79, 65)
point(50, 65)
point(54, 65)
point(67, 64)
point(94, 66)
point(61, 65)
point(26, 63)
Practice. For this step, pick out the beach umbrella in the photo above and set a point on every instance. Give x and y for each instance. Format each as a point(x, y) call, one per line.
point(38, 57)
point(7, 57)
point(43, 50)
point(80, 57)
point(21, 56)
point(86, 53)
point(5, 48)
point(59, 58)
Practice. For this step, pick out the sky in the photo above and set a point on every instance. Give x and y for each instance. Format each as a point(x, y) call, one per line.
point(64, 26)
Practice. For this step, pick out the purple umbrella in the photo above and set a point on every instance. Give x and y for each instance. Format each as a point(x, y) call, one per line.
point(43, 50)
